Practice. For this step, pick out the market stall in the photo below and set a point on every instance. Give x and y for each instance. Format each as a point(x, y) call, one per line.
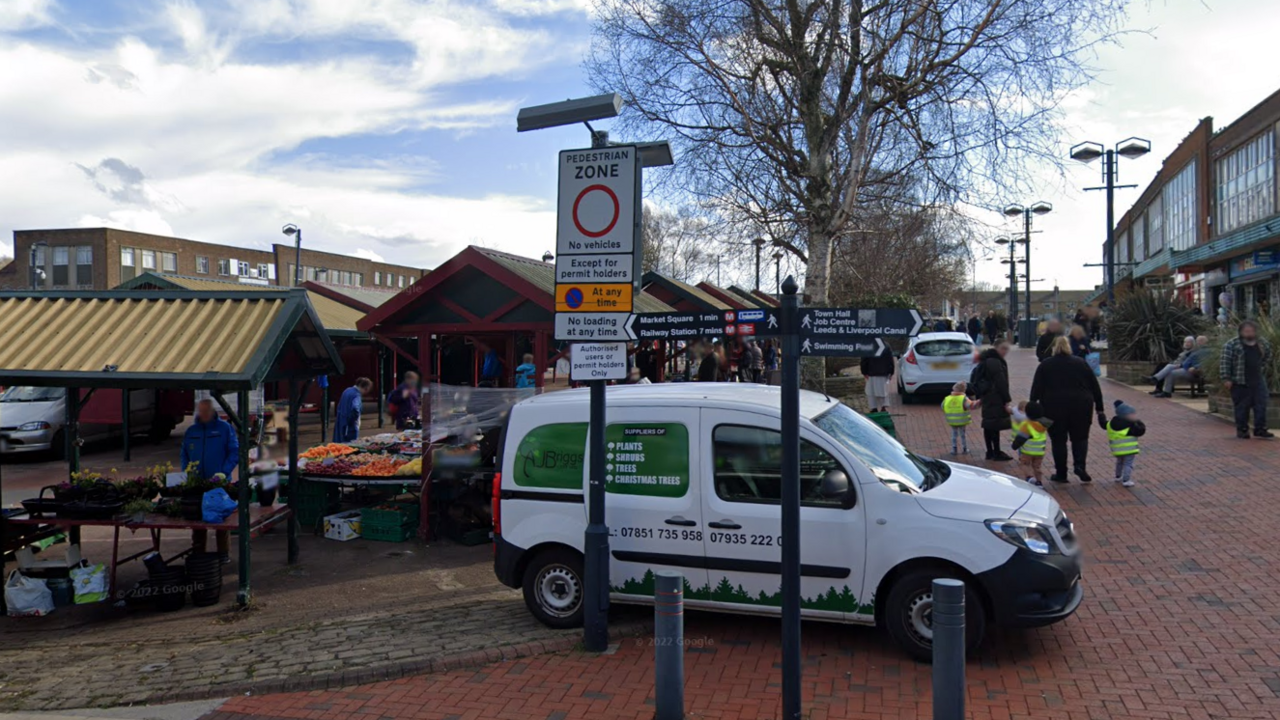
point(481, 304)
point(226, 342)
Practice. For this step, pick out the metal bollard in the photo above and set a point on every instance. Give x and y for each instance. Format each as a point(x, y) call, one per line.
point(948, 649)
point(668, 645)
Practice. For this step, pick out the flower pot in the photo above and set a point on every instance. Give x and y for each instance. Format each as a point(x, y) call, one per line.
point(192, 505)
point(266, 498)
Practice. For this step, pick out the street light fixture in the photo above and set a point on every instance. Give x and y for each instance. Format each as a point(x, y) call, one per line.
point(548, 257)
point(38, 274)
point(295, 232)
point(759, 243)
point(777, 271)
point(1086, 152)
point(1037, 208)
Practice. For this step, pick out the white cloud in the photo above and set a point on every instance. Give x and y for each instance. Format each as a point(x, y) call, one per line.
point(24, 14)
point(147, 135)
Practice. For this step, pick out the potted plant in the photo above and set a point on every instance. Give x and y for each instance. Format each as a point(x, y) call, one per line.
point(1145, 331)
point(136, 510)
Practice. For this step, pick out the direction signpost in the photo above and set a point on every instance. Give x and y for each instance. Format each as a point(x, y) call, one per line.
point(693, 325)
point(815, 332)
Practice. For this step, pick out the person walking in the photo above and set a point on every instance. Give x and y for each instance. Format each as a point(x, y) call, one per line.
point(877, 371)
point(404, 402)
point(1067, 389)
point(1243, 368)
point(1122, 433)
point(975, 329)
point(1052, 329)
point(992, 389)
point(756, 361)
point(992, 326)
point(1079, 339)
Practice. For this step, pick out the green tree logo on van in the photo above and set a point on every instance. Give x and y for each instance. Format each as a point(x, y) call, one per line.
point(841, 600)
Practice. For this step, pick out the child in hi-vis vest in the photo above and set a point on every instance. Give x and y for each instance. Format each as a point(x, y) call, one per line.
point(1123, 432)
point(955, 408)
point(1032, 429)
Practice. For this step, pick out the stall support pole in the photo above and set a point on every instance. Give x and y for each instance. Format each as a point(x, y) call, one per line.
point(324, 411)
point(124, 419)
point(71, 434)
point(242, 427)
point(595, 629)
point(296, 393)
point(380, 359)
point(425, 525)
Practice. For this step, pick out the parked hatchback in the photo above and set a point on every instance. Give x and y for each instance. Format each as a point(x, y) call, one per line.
point(933, 363)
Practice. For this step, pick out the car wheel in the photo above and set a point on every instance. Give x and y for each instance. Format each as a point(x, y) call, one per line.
point(553, 588)
point(908, 614)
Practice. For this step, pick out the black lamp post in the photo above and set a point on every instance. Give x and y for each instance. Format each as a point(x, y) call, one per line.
point(777, 271)
point(295, 232)
point(1086, 152)
point(1013, 278)
point(759, 243)
point(1039, 208)
point(37, 273)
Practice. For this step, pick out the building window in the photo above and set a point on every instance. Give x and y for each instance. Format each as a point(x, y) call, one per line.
point(1155, 226)
point(1179, 199)
point(61, 266)
point(1048, 306)
point(1139, 240)
point(264, 271)
point(401, 281)
point(1246, 183)
point(357, 279)
point(168, 262)
point(126, 257)
point(148, 259)
point(202, 265)
point(243, 268)
point(84, 265)
point(224, 267)
point(1122, 248)
point(377, 278)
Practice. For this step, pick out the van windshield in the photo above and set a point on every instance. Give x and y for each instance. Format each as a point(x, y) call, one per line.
point(21, 393)
point(892, 463)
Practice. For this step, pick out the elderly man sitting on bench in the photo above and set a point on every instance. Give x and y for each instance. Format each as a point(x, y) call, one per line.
point(1188, 370)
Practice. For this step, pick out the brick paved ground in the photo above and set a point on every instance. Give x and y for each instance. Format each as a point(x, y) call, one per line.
point(1181, 619)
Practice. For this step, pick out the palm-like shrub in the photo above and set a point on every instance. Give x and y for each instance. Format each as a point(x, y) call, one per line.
point(1148, 327)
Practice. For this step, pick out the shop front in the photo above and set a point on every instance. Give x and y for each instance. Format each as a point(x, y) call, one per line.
point(1255, 282)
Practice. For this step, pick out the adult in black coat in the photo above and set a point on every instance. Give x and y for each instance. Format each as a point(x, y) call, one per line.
point(1052, 329)
point(1067, 389)
point(991, 326)
point(995, 398)
point(975, 329)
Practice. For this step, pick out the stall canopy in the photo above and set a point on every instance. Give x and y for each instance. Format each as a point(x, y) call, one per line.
point(233, 340)
point(364, 299)
point(339, 319)
point(681, 295)
point(731, 298)
point(761, 297)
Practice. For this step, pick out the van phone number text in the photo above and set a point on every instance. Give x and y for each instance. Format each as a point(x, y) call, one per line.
point(721, 538)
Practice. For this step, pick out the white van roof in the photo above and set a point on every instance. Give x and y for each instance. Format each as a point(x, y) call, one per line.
point(744, 396)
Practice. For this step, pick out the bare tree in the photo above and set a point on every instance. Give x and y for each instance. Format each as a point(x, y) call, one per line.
point(788, 115)
point(678, 243)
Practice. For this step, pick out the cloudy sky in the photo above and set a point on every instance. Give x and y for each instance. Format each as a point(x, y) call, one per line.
point(387, 127)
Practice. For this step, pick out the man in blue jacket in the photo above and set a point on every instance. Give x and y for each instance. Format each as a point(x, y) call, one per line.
point(212, 444)
point(346, 427)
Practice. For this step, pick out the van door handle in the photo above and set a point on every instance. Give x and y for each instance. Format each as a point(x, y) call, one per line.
point(724, 525)
point(682, 522)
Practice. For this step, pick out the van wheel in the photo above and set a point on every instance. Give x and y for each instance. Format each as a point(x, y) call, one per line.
point(553, 588)
point(908, 613)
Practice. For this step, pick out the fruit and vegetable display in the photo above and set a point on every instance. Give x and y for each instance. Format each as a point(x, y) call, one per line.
point(329, 450)
point(384, 455)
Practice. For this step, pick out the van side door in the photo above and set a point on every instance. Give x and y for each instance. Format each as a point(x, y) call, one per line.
point(652, 503)
point(742, 468)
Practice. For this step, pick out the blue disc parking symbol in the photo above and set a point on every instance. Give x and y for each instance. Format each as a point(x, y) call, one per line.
point(573, 298)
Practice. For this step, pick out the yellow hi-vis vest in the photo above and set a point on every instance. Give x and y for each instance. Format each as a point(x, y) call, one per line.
point(1034, 446)
point(953, 409)
point(1121, 443)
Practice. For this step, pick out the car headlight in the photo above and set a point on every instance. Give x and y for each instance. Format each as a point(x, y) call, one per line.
point(1029, 535)
point(38, 425)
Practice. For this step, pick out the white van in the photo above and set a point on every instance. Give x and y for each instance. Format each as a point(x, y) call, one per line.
point(693, 485)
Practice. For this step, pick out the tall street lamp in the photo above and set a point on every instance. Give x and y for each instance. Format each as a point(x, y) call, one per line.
point(37, 271)
point(295, 232)
point(1013, 277)
point(759, 243)
point(777, 272)
point(1087, 152)
point(548, 257)
point(1039, 208)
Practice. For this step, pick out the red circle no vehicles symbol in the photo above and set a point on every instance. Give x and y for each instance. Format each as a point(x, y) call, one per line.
point(613, 217)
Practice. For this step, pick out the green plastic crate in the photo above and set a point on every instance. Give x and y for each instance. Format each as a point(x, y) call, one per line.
point(388, 533)
point(404, 514)
point(885, 421)
point(314, 501)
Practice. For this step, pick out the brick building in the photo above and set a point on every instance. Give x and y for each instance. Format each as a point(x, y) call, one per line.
point(1044, 303)
point(102, 258)
point(1208, 225)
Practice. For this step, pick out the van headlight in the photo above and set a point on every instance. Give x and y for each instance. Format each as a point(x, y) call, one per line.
point(33, 426)
point(1030, 535)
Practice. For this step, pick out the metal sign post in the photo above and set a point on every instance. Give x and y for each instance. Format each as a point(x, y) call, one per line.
point(812, 332)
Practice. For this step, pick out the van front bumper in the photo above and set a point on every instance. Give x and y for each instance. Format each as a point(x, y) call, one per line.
point(1031, 590)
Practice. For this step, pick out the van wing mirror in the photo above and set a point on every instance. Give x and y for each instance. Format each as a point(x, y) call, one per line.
point(835, 485)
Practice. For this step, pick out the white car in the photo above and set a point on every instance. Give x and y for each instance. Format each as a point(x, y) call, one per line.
point(693, 485)
point(934, 362)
